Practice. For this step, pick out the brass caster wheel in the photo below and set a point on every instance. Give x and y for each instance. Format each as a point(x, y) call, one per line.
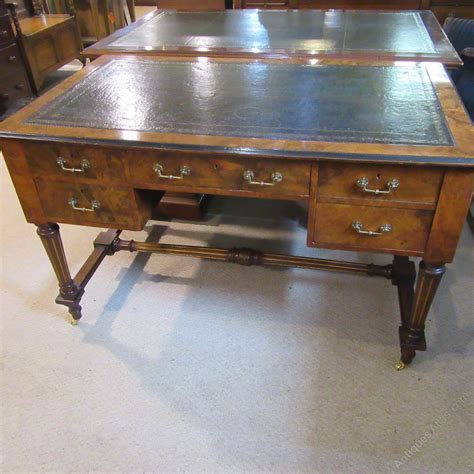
point(399, 365)
point(74, 322)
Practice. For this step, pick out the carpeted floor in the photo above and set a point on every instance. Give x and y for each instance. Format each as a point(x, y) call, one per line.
point(184, 365)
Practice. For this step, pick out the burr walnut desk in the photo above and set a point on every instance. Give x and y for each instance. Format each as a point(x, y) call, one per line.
point(383, 154)
point(369, 35)
point(354, 34)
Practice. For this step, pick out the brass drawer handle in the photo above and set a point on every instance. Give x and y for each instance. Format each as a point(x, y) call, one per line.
point(94, 205)
point(391, 185)
point(85, 165)
point(183, 171)
point(275, 177)
point(359, 228)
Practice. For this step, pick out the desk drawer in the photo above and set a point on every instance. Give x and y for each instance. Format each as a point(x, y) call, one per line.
point(342, 182)
point(88, 163)
point(10, 59)
point(107, 205)
point(335, 227)
point(284, 178)
point(6, 31)
point(14, 86)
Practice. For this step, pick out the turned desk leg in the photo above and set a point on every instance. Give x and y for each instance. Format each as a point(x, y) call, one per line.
point(51, 239)
point(412, 333)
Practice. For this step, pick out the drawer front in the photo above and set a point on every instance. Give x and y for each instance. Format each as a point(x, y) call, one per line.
point(10, 60)
point(282, 178)
point(74, 163)
point(13, 87)
point(335, 228)
point(108, 205)
point(6, 31)
point(398, 185)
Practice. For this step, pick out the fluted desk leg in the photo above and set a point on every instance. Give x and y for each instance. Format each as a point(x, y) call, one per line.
point(412, 334)
point(51, 239)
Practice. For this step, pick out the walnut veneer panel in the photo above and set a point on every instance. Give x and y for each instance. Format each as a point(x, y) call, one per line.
point(418, 188)
point(115, 203)
point(219, 173)
point(335, 103)
point(103, 165)
point(333, 228)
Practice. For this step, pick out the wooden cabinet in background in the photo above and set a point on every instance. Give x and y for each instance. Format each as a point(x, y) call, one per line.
point(14, 84)
point(441, 8)
point(98, 19)
point(191, 4)
point(444, 8)
point(361, 4)
point(47, 41)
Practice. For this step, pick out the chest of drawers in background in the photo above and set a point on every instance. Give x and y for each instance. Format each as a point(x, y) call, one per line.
point(441, 8)
point(14, 84)
point(444, 8)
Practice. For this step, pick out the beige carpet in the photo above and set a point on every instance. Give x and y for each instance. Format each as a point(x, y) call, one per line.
point(184, 365)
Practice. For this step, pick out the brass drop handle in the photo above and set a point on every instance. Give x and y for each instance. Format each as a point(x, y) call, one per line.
point(85, 165)
point(94, 205)
point(275, 177)
point(359, 228)
point(363, 183)
point(183, 171)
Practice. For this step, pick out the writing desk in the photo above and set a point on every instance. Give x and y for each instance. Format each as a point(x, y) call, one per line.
point(383, 155)
point(355, 34)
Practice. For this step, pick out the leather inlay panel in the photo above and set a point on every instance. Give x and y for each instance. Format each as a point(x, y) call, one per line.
point(364, 104)
point(400, 32)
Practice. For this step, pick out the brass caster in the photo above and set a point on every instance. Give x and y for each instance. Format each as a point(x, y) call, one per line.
point(399, 365)
point(74, 322)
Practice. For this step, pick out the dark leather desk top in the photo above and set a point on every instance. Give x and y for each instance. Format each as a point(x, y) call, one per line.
point(310, 108)
point(408, 34)
point(392, 105)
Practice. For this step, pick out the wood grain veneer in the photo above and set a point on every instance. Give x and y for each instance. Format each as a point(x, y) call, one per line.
point(333, 229)
point(418, 189)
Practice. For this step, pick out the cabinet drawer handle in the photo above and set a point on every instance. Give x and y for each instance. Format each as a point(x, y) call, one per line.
point(3, 33)
point(275, 177)
point(359, 228)
point(85, 165)
point(391, 185)
point(94, 205)
point(12, 58)
point(183, 171)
